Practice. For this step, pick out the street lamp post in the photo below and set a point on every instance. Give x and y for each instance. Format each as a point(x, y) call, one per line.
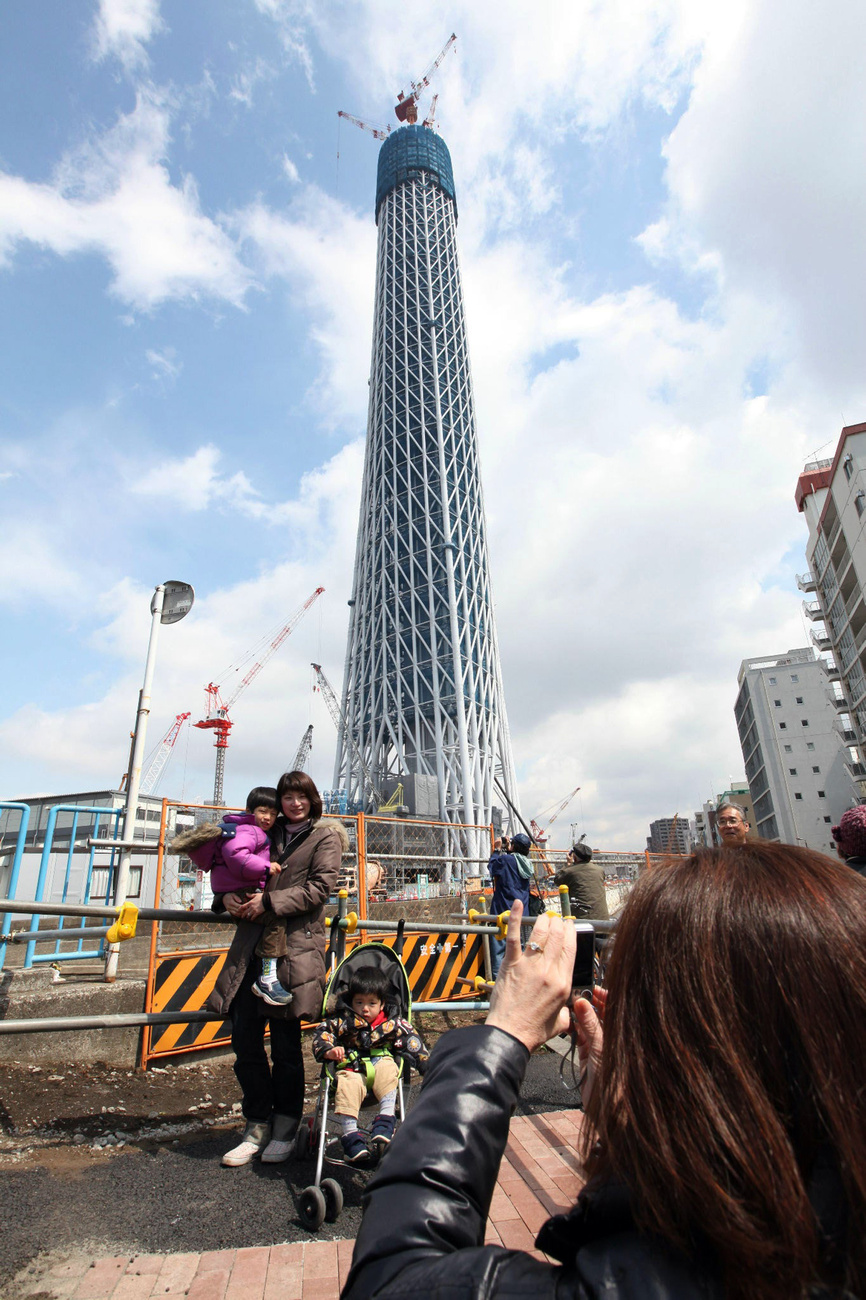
point(171, 602)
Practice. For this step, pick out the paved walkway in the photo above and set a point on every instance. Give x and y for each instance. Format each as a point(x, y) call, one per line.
point(539, 1177)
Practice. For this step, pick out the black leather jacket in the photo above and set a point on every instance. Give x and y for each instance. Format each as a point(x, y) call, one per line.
point(426, 1208)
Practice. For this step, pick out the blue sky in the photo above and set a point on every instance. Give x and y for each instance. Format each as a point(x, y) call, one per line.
point(661, 212)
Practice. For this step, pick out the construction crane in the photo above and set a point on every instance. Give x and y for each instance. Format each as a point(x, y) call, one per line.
point(303, 750)
point(431, 116)
point(163, 754)
point(542, 834)
point(406, 107)
point(339, 720)
point(218, 719)
point(377, 132)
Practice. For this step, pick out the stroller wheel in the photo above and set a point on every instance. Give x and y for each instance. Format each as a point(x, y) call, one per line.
point(304, 1140)
point(333, 1194)
point(311, 1207)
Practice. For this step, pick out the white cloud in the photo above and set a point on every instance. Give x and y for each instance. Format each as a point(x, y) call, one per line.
point(123, 29)
point(115, 197)
point(291, 170)
point(165, 363)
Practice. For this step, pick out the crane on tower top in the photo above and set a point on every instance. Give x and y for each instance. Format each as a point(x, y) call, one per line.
point(377, 132)
point(218, 719)
point(406, 107)
point(340, 722)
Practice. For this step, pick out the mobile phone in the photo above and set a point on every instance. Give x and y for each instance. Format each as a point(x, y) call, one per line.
point(583, 976)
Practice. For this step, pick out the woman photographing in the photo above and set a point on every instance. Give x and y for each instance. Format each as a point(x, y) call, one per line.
point(308, 851)
point(725, 1134)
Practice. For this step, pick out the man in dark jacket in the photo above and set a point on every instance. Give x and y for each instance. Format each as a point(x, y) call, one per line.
point(585, 881)
point(511, 873)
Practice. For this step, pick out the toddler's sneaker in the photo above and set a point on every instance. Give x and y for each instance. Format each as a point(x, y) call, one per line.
point(272, 992)
point(355, 1148)
point(381, 1131)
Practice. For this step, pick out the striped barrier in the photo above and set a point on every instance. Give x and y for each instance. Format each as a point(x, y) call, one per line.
point(439, 968)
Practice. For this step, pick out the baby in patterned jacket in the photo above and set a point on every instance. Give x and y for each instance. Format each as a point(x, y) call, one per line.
point(363, 1041)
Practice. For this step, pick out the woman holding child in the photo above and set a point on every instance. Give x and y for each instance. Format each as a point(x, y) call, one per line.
point(255, 989)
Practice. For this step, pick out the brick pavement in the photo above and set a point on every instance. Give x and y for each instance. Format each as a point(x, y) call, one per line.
point(539, 1177)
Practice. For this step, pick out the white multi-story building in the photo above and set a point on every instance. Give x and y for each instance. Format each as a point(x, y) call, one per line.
point(794, 748)
point(670, 835)
point(831, 495)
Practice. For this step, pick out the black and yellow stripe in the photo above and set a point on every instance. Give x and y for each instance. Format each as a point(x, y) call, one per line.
point(437, 963)
point(183, 982)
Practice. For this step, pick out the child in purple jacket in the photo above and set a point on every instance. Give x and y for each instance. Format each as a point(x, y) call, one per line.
point(237, 853)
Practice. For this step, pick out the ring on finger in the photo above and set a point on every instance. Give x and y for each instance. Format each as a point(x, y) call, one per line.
point(532, 946)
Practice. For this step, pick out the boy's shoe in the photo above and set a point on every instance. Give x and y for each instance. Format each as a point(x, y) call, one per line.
point(255, 1137)
point(355, 1148)
point(272, 993)
point(381, 1131)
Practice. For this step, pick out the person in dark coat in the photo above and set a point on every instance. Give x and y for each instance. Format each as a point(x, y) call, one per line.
point(308, 850)
point(585, 881)
point(725, 1131)
point(511, 871)
point(850, 837)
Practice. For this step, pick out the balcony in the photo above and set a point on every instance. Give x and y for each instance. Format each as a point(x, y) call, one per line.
point(846, 731)
point(820, 639)
point(838, 701)
point(832, 670)
point(857, 770)
point(812, 609)
point(806, 582)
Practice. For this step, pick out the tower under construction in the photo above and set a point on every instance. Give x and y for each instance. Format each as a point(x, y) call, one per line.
point(422, 692)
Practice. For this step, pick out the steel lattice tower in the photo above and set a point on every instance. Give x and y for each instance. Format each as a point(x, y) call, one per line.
point(422, 688)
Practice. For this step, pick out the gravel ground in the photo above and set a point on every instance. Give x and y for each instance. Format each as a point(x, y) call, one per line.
point(112, 1162)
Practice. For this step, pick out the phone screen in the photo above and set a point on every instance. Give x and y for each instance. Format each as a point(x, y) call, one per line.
point(584, 957)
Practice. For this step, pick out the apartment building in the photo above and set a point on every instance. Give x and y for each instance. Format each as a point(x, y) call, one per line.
point(795, 748)
point(831, 496)
point(670, 835)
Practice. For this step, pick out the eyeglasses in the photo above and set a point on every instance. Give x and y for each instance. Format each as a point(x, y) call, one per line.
point(730, 821)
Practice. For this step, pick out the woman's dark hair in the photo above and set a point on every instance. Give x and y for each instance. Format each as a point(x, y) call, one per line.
point(368, 979)
point(732, 1071)
point(262, 796)
point(304, 785)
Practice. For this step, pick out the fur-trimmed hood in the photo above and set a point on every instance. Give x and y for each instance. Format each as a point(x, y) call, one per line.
point(195, 837)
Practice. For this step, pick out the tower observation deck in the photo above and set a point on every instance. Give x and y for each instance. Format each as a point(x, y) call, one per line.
point(422, 689)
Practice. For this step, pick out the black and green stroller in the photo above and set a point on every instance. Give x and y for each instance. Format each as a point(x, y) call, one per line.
point(322, 1201)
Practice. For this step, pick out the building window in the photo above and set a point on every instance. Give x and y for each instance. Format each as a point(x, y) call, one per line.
point(788, 749)
point(828, 819)
point(816, 769)
point(860, 502)
point(783, 726)
point(772, 681)
point(797, 796)
point(799, 699)
point(134, 889)
point(821, 794)
point(804, 722)
point(794, 677)
point(848, 466)
point(778, 703)
point(809, 744)
point(792, 771)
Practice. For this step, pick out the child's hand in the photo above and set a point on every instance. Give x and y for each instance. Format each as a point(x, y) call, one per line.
point(274, 869)
point(336, 1054)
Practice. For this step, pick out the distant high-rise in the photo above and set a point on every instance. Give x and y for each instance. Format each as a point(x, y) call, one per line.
point(422, 692)
point(670, 835)
point(793, 735)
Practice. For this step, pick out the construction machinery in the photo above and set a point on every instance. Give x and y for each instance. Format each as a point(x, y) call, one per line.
point(218, 720)
point(163, 754)
point(541, 835)
point(406, 108)
point(303, 753)
point(339, 720)
point(377, 132)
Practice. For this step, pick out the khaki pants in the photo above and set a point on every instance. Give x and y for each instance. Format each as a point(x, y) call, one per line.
point(352, 1086)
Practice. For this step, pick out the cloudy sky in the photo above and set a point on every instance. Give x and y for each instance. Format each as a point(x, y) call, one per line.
point(661, 216)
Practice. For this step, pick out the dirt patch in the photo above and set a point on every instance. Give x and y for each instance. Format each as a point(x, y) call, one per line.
point(65, 1118)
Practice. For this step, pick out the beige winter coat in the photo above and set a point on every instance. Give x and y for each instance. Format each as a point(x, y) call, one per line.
point(299, 893)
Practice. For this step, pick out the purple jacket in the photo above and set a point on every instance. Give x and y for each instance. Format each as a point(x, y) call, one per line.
point(239, 863)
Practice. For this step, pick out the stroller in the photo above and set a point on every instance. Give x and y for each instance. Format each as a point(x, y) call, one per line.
point(322, 1201)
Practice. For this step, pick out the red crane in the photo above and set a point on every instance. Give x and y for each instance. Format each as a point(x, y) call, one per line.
point(218, 719)
point(406, 107)
point(542, 834)
point(378, 132)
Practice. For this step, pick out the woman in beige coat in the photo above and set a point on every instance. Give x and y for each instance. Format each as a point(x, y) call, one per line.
point(309, 851)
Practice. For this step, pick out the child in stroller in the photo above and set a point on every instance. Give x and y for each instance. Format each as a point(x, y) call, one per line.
point(363, 1042)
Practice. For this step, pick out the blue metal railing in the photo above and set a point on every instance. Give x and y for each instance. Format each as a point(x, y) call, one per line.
point(24, 810)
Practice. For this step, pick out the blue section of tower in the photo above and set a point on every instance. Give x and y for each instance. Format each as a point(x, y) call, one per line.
point(406, 154)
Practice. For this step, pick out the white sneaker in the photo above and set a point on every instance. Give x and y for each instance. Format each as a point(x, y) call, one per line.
point(255, 1138)
point(276, 1152)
